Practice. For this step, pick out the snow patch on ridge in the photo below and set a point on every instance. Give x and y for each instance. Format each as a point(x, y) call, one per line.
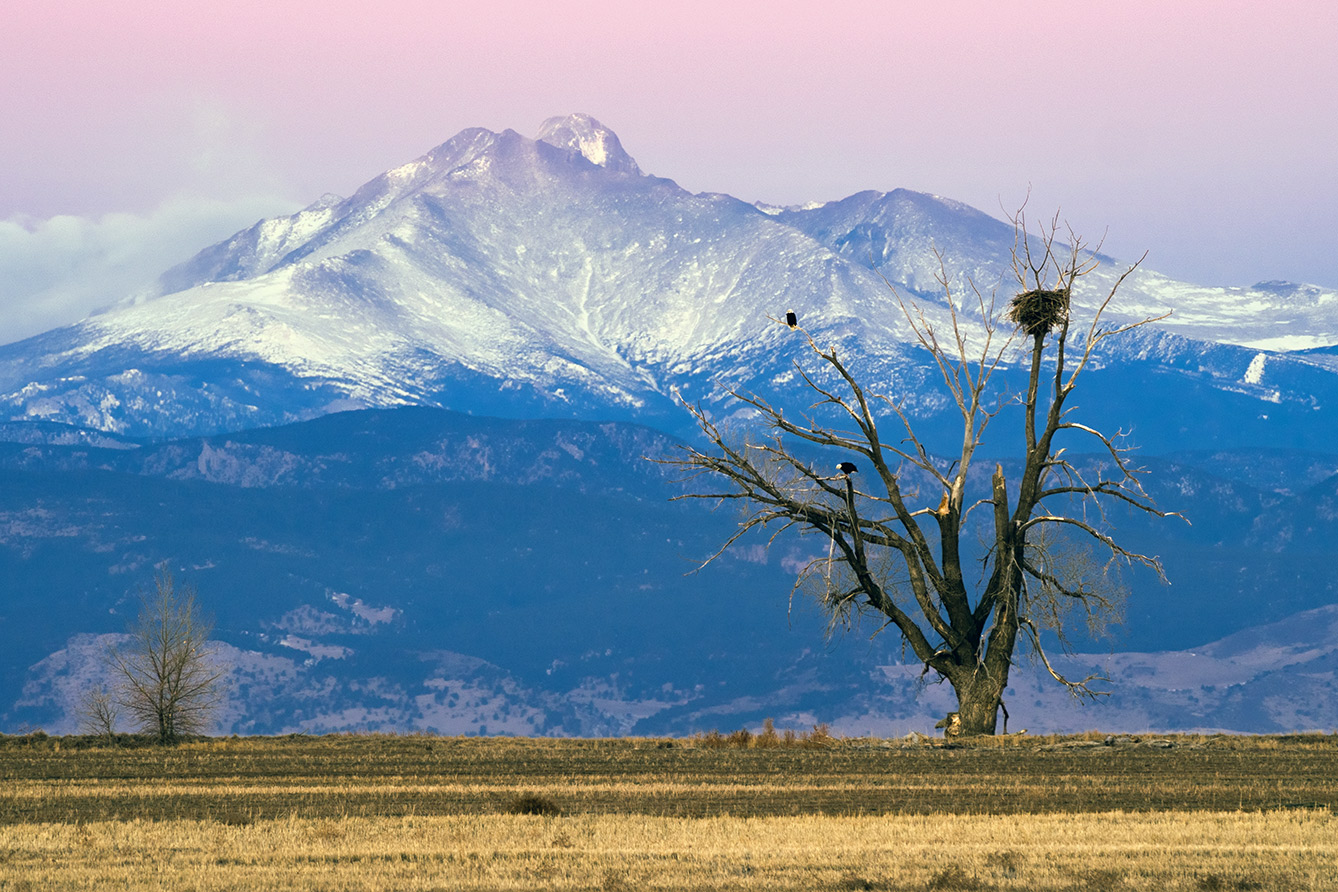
point(365, 612)
point(1255, 372)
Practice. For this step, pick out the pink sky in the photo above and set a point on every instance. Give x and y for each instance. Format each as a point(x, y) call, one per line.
point(1203, 131)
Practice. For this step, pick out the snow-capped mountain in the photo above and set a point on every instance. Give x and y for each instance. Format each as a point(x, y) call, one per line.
point(503, 275)
point(411, 568)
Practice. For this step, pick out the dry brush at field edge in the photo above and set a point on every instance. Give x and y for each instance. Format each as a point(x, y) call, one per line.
point(1112, 852)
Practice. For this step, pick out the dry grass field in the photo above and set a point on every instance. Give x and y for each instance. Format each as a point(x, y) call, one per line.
point(355, 813)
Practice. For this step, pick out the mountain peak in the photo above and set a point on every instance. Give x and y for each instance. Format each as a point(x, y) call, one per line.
point(590, 139)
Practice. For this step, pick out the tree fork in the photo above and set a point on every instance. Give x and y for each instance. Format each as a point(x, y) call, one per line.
point(1028, 580)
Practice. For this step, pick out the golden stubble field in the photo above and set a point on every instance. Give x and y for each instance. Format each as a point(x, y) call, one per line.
point(365, 812)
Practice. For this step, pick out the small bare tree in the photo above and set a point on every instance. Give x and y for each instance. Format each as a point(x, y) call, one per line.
point(99, 712)
point(167, 679)
point(894, 540)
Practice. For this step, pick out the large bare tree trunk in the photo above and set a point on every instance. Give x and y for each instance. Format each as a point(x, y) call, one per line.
point(978, 699)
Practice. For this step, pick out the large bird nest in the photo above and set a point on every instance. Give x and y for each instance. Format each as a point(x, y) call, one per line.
point(1036, 312)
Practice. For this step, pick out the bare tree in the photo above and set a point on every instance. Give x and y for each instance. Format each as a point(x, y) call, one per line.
point(168, 680)
point(99, 712)
point(893, 525)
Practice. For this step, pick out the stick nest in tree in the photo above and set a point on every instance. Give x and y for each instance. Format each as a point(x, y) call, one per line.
point(1036, 312)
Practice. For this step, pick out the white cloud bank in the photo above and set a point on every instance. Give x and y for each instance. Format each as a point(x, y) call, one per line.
point(59, 270)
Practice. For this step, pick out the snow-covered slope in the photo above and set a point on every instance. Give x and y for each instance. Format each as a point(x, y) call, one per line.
point(1277, 683)
point(904, 234)
point(417, 569)
point(505, 275)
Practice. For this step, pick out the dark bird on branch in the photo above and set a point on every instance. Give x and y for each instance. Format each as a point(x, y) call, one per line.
point(791, 319)
point(847, 468)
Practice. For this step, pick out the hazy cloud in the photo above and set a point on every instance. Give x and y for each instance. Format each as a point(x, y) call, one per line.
point(59, 270)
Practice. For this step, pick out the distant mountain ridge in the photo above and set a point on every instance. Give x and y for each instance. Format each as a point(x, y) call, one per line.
point(417, 569)
point(550, 277)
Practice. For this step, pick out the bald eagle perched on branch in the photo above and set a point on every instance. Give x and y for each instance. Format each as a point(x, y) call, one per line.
point(791, 319)
point(846, 468)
